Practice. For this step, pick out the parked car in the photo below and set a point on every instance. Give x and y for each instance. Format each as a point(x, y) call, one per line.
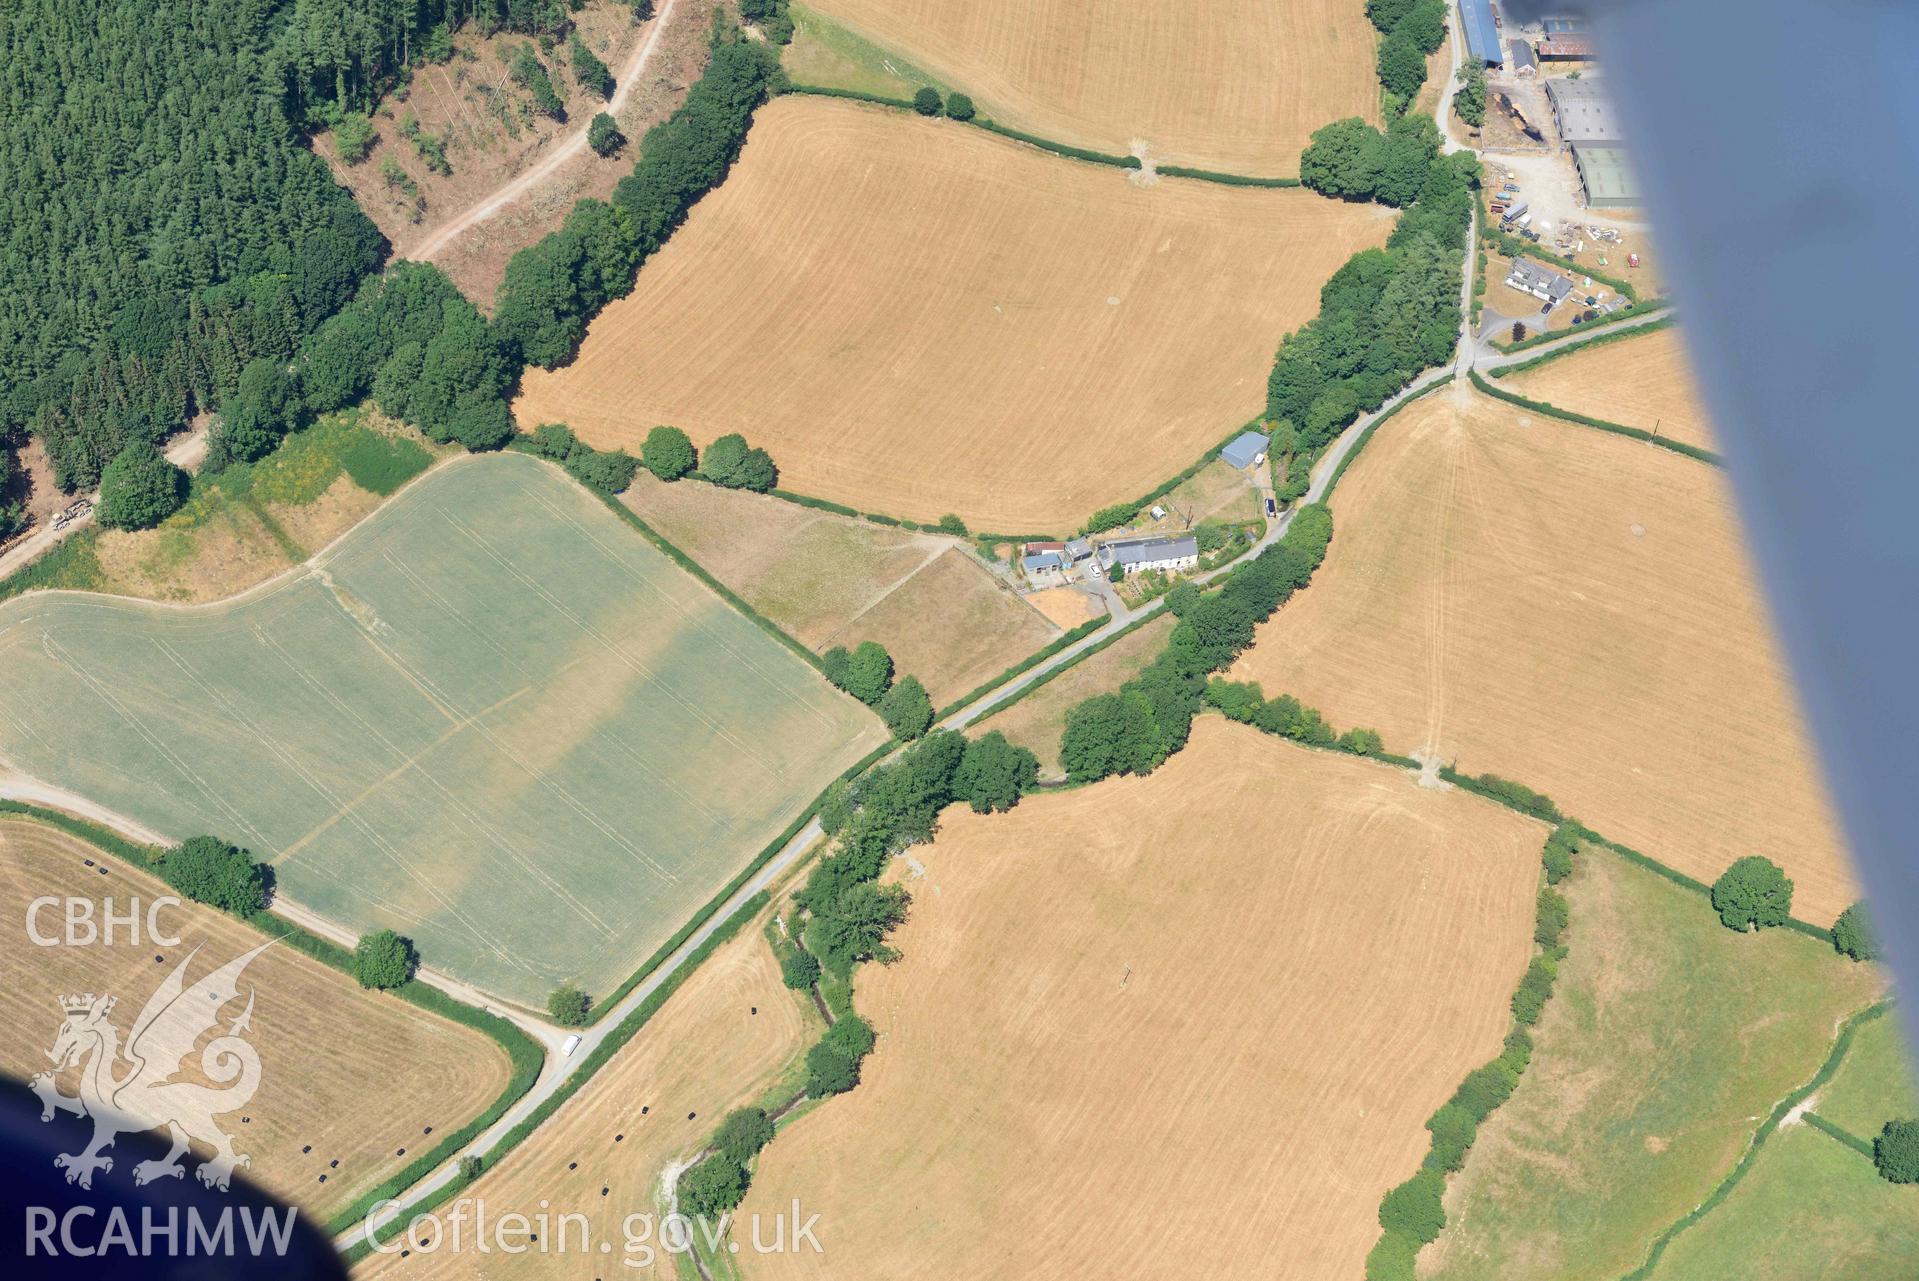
point(1093, 570)
point(1272, 508)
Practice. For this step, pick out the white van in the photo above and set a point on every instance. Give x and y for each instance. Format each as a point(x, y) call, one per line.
point(569, 1045)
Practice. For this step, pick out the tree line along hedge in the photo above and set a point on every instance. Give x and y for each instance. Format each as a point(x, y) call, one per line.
point(425, 354)
point(843, 915)
point(1412, 29)
point(553, 287)
point(866, 672)
point(1135, 728)
point(1286, 717)
point(1389, 313)
point(1586, 420)
point(1412, 1214)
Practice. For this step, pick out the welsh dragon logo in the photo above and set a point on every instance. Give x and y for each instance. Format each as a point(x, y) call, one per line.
point(128, 1089)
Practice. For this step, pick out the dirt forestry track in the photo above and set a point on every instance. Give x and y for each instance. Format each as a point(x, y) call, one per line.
point(1573, 610)
point(1223, 84)
point(1640, 382)
point(354, 1076)
point(1064, 1087)
point(921, 318)
point(627, 76)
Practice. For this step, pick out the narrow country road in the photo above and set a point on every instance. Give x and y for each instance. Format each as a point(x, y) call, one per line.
point(568, 147)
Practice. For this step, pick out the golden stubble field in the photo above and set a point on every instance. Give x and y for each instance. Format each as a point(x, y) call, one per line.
point(711, 1047)
point(1643, 381)
point(357, 1076)
point(1064, 1087)
point(916, 317)
point(1572, 610)
point(1221, 84)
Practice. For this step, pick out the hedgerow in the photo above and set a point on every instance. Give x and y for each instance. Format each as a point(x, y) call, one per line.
point(1411, 1214)
point(1134, 729)
point(1619, 317)
point(1225, 179)
point(1506, 792)
point(1617, 429)
point(1058, 643)
point(1612, 336)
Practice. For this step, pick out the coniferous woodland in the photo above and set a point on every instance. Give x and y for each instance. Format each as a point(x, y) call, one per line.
point(164, 225)
point(171, 244)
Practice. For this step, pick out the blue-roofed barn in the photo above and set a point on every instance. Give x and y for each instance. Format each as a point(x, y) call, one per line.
point(1482, 34)
point(1042, 563)
point(1245, 450)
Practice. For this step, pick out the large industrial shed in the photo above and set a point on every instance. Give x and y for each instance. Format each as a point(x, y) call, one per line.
point(1584, 113)
point(1482, 35)
point(1608, 179)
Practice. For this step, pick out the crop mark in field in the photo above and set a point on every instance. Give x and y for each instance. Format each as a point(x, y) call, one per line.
point(691, 617)
point(392, 775)
point(356, 609)
point(651, 771)
point(420, 684)
point(487, 832)
point(440, 602)
point(480, 633)
point(586, 628)
point(325, 793)
point(346, 811)
point(541, 779)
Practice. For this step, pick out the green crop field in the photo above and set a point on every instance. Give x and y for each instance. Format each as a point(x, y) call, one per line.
point(492, 717)
point(1668, 1041)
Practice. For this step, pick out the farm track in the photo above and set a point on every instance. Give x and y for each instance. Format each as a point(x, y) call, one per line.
point(189, 451)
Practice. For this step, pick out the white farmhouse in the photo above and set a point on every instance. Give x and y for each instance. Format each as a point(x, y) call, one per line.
point(1136, 554)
